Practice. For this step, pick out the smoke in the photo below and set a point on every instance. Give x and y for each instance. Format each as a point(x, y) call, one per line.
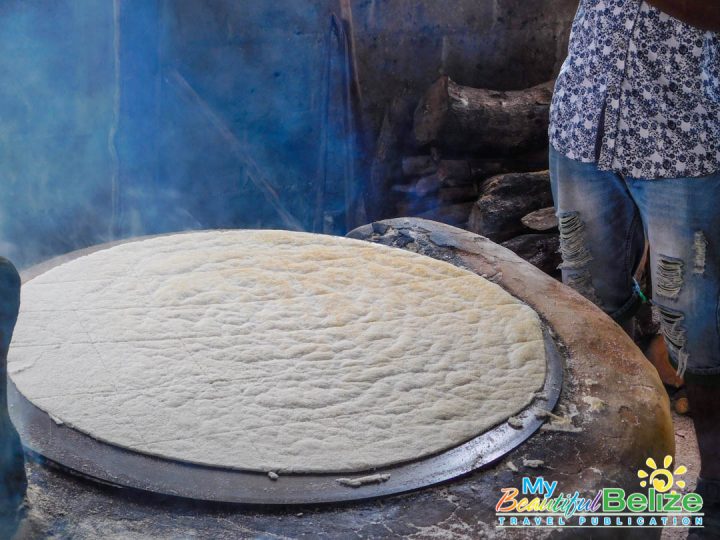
point(139, 117)
point(131, 117)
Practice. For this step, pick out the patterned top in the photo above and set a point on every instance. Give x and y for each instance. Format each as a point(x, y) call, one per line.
point(639, 93)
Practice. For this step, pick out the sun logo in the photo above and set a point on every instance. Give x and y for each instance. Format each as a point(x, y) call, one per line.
point(662, 479)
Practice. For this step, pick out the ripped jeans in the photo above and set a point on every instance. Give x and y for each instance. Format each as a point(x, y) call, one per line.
point(604, 220)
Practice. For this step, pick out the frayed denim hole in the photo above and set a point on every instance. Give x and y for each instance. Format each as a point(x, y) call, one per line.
point(670, 276)
point(700, 244)
point(675, 334)
point(576, 256)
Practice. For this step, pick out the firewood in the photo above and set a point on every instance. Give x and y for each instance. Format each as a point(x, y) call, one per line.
point(427, 185)
point(461, 172)
point(404, 188)
point(457, 194)
point(416, 166)
point(414, 206)
point(505, 200)
point(421, 187)
point(535, 160)
point(483, 122)
point(541, 220)
point(452, 214)
point(541, 250)
point(457, 172)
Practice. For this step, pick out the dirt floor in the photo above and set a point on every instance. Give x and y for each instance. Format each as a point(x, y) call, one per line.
point(686, 453)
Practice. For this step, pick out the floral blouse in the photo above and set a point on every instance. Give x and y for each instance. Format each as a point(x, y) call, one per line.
point(639, 93)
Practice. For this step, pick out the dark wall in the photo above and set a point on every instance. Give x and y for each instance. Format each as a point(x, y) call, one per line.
point(502, 44)
point(129, 117)
point(241, 109)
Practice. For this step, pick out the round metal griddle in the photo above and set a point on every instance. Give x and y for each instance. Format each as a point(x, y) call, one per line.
point(80, 454)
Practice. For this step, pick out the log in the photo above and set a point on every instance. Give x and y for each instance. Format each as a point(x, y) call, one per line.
point(542, 220)
point(422, 187)
point(458, 172)
point(541, 250)
point(461, 172)
point(478, 121)
point(452, 172)
point(13, 481)
point(405, 189)
point(414, 206)
point(433, 189)
point(536, 160)
point(427, 185)
point(416, 166)
point(505, 200)
point(456, 194)
point(452, 214)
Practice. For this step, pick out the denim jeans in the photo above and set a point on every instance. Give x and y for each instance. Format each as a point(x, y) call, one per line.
point(605, 219)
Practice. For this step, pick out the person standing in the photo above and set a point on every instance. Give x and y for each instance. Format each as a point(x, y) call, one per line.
point(635, 155)
point(13, 482)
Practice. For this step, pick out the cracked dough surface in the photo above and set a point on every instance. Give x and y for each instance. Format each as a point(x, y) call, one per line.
point(272, 350)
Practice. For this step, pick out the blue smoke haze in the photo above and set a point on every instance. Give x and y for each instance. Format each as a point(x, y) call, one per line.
point(131, 117)
point(128, 117)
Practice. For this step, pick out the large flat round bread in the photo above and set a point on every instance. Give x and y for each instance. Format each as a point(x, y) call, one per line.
point(272, 350)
